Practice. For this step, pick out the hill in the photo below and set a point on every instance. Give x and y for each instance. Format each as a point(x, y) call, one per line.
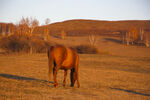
point(80, 27)
point(84, 27)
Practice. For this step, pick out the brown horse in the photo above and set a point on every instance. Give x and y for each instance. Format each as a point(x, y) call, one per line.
point(60, 57)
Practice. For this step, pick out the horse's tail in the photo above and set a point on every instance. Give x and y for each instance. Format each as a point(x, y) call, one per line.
point(50, 61)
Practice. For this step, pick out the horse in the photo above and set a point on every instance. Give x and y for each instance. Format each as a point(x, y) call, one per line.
point(64, 58)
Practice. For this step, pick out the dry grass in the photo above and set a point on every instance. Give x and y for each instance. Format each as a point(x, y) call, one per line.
point(102, 77)
point(106, 45)
point(119, 72)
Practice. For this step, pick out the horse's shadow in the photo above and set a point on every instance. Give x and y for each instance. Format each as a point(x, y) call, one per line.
point(17, 77)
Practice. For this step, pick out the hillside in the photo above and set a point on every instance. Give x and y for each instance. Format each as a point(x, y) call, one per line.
point(83, 27)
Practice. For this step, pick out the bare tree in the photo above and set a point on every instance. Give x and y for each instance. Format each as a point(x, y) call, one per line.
point(26, 27)
point(141, 34)
point(47, 21)
point(123, 37)
point(46, 31)
point(146, 40)
point(4, 30)
point(10, 29)
point(23, 26)
point(128, 38)
point(131, 36)
point(33, 23)
point(92, 39)
point(63, 34)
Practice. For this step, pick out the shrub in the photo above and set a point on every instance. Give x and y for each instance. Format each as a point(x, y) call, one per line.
point(87, 49)
point(39, 46)
point(16, 43)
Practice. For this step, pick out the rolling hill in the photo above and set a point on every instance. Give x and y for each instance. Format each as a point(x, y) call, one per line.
point(84, 27)
point(80, 27)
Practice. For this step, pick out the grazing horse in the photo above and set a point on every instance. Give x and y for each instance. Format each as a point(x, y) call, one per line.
point(61, 57)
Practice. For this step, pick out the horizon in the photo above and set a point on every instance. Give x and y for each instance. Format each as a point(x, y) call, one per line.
point(59, 11)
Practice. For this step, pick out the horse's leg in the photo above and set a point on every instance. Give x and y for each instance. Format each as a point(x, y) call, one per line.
point(65, 76)
point(55, 75)
point(76, 71)
point(72, 77)
point(51, 65)
point(77, 77)
point(54, 70)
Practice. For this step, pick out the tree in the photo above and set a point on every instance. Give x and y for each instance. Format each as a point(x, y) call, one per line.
point(92, 39)
point(11, 29)
point(123, 37)
point(141, 34)
point(131, 36)
point(46, 31)
point(128, 38)
point(4, 30)
point(63, 34)
point(146, 39)
point(47, 21)
point(33, 23)
point(25, 27)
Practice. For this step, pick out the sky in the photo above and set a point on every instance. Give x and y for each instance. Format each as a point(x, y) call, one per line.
point(61, 10)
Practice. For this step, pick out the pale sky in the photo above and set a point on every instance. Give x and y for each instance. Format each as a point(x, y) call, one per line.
point(60, 10)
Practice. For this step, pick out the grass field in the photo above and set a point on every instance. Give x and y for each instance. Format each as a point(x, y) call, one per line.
point(118, 73)
point(102, 77)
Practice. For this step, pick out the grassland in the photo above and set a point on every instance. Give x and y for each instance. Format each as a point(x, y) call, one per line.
point(121, 73)
point(102, 77)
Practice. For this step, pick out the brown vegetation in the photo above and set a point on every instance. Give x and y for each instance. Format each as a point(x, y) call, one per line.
point(135, 36)
point(111, 78)
point(16, 43)
point(22, 38)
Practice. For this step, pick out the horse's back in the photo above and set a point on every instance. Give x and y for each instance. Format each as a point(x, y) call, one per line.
point(58, 53)
point(70, 58)
point(64, 55)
